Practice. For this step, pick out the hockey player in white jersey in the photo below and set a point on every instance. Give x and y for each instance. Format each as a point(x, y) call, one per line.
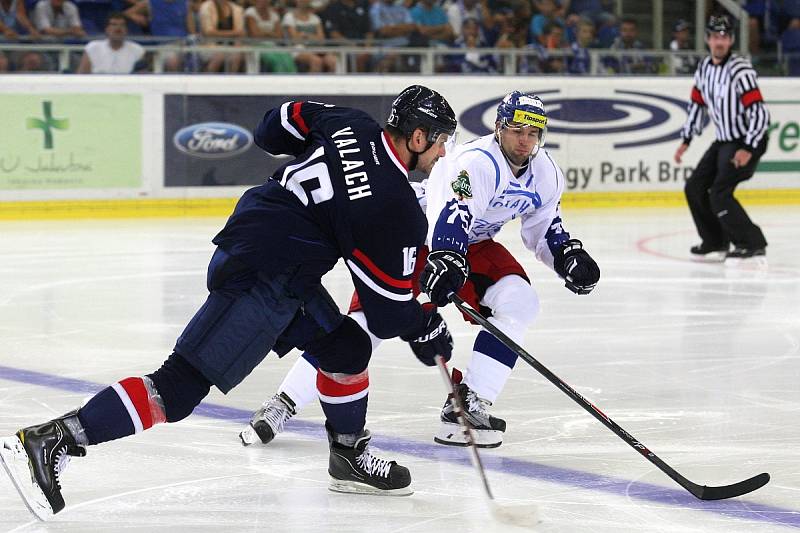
point(471, 194)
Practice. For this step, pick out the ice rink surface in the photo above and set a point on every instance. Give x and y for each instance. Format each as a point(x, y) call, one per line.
point(699, 362)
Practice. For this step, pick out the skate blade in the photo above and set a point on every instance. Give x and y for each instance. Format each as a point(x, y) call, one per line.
point(755, 264)
point(15, 461)
point(249, 436)
point(453, 435)
point(353, 487)
point(711, 257)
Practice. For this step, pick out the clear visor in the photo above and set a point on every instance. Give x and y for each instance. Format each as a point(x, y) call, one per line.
point(518, 127)
point(449, 140)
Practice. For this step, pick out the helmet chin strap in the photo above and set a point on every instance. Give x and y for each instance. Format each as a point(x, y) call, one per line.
point(412, 165)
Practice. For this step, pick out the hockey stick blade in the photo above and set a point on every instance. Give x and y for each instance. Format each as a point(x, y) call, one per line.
point(701, 492)
point(729, 491)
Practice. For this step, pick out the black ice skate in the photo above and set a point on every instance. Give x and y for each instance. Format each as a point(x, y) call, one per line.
point(747, 258)
point(269, 420)
point(488, 430)
point(708, 253)
point(35, 458)
point(353, 469)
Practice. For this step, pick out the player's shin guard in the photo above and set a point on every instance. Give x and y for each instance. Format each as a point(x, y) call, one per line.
point(36, 457)
point(127, 407)
point(344, 399)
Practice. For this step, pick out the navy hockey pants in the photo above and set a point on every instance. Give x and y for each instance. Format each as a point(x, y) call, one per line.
point(245, 315)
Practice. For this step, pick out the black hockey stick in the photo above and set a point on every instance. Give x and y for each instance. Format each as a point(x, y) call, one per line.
point(516, 515)
point(702, 492)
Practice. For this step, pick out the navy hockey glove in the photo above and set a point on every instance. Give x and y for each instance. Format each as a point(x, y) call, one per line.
point(577, 267)
point(446, 272)
point(433, 340)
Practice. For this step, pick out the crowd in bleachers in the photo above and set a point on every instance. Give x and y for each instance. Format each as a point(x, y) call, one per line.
point(551, 36)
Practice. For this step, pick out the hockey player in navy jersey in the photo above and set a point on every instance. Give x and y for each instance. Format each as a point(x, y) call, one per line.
point(344, 195)
point(470, 196)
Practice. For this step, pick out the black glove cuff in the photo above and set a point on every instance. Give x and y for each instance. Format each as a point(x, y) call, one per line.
point(567, 248)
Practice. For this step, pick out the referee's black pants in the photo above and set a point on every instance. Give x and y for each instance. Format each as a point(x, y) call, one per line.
point(719, 217)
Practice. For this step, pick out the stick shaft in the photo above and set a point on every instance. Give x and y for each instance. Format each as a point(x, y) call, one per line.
point(470, 436)
point(702, 492)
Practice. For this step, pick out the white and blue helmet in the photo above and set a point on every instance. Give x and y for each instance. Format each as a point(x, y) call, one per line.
point(522, 110)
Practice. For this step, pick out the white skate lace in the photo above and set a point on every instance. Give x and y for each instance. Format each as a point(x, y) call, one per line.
point(62, 460)
point(477, 406)
point(373, 465)
point(276, 413)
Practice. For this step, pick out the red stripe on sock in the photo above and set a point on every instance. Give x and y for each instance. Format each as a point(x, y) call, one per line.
point(140, 399)
point(328, 387)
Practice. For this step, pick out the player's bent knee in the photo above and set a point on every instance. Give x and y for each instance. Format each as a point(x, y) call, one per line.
point(181, 387)
point(513, 299)
point(346, 350)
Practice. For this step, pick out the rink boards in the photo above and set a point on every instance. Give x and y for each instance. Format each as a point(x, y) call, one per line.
point(179, 145)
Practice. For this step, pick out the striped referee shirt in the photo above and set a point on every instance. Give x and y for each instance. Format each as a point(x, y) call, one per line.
point(729, 93)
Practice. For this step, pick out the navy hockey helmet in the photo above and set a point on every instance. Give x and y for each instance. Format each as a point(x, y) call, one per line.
point(521, 110)
point(719, 24)
point(420, 107)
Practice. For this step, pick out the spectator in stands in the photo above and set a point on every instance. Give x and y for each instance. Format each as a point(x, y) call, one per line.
point(790, 45)
point(513, 26)
point(581, 62)
point(115, 54)
point(302, 26)
point(14, 22)
point(432, 22)
point(222, 20)
point(58, 18)
point(460, 10)
point(600, 12)
point(547, 14)
point(680, 42)
point(757, 11)
point(392, 23)
point(165, 18)
point(263, 22)
point(472, 60)
point(630, 63)
point(542, 60)
point(349, 20)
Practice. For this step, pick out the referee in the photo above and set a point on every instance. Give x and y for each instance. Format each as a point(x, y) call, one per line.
point(725, 88)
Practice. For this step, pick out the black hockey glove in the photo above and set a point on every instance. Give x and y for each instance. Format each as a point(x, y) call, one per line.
point(577, 267)
point(445, 273)
point(434, 339)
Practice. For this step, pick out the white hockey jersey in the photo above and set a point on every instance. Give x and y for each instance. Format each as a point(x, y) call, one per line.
point(472, 193)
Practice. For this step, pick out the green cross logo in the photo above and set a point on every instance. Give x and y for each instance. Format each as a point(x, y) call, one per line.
point(48, 124)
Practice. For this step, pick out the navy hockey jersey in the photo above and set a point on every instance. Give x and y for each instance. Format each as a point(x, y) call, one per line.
point(344, 195)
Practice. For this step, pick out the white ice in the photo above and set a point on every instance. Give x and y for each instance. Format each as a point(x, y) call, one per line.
point(699, 362)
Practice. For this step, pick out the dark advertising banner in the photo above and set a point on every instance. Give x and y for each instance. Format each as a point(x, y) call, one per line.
point(208, 139)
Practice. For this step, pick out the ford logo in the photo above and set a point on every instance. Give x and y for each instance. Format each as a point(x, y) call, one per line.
point(213, 140)
point(629, 119)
